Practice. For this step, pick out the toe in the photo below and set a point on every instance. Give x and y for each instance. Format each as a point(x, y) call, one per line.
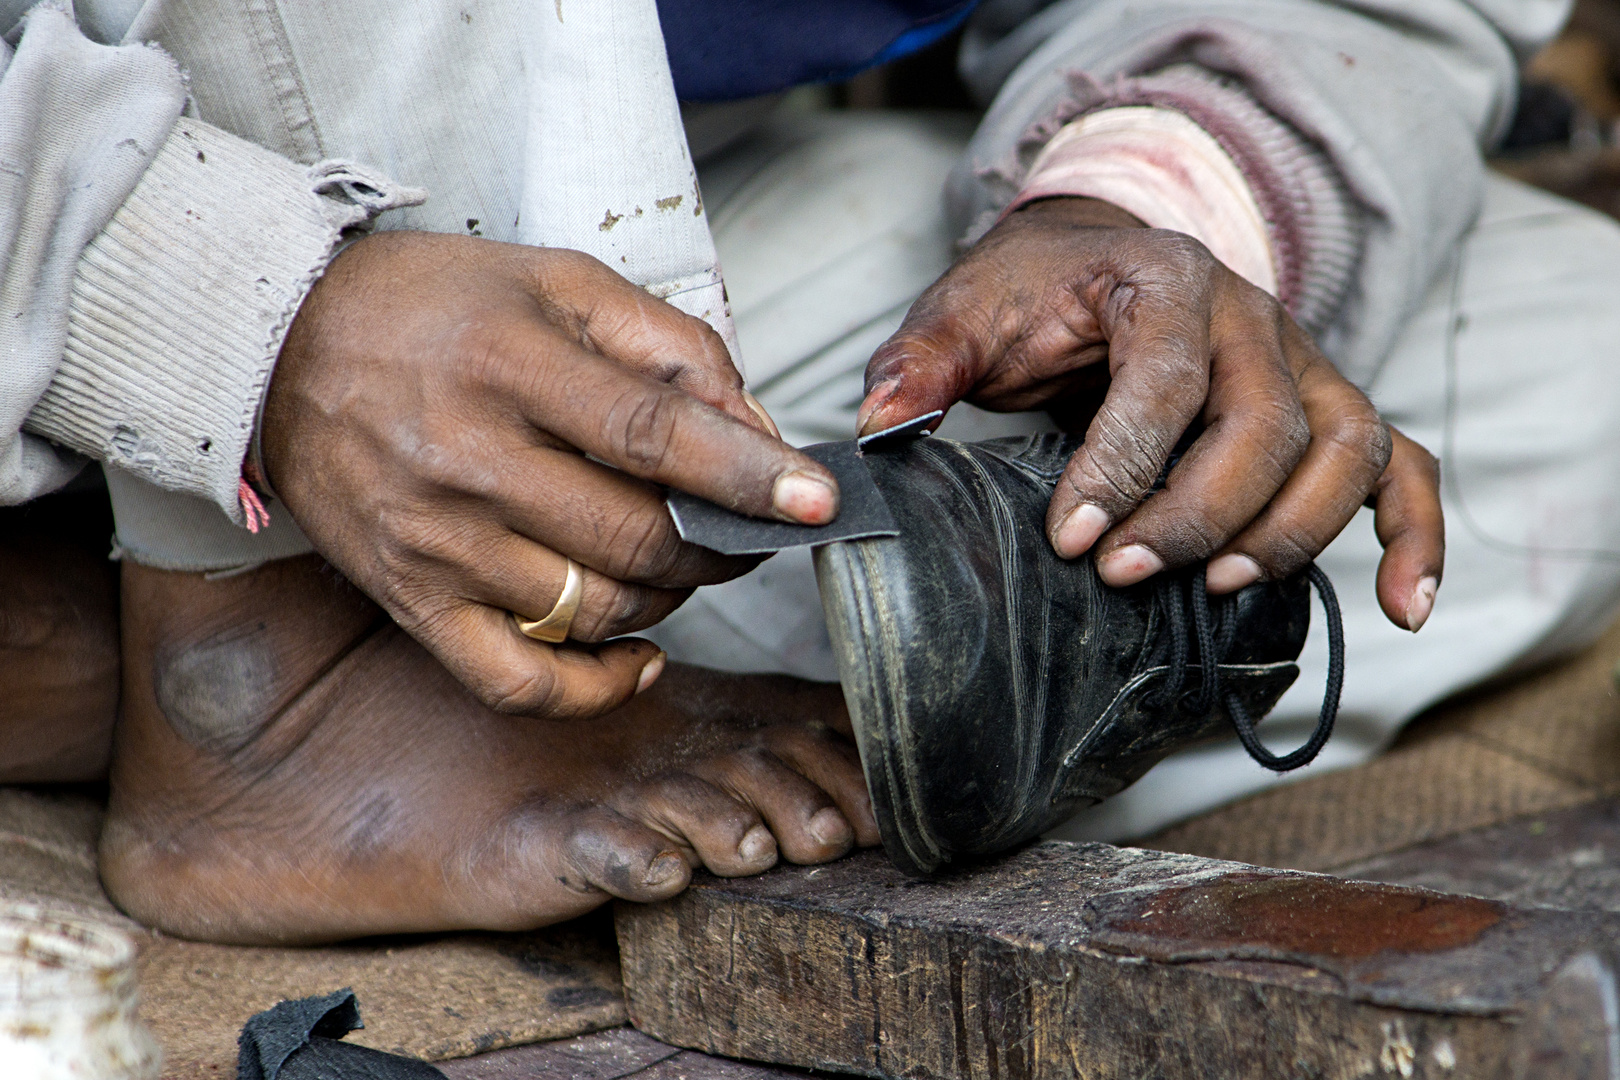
point(807, 824)
point(727, 836)
point(833, 765)
point(613, 854)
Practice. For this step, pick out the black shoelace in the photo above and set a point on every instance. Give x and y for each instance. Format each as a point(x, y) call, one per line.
point(1210, 649)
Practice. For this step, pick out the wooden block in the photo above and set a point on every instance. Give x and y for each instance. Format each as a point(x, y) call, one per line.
point(1090, 961)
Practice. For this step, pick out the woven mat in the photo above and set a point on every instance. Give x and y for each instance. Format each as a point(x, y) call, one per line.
point(432, 997)
point(1541, 742)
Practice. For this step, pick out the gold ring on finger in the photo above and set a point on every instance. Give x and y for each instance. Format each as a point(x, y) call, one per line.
point(553, 629)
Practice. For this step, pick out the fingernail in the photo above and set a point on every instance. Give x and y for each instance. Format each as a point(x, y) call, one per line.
point(880, 393)
point(650, 673)
point(1422, 602)
point(1128, 565)
point(828, 826)
point(666, 866)
point(1080, 530)
point(757, 845)
point(1229, 573)
point(759, 410)
point(806, 499)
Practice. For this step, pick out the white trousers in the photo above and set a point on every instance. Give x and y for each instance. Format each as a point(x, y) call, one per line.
point(828, 225)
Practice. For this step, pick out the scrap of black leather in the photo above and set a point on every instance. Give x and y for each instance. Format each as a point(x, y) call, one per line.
point(300, 1040)
point(862, 513)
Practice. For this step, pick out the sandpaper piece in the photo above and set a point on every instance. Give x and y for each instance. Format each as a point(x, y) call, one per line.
point(861, 512)
point(299, 1040)
point(889, 437)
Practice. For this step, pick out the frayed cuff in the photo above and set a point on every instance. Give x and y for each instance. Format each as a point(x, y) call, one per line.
point(1313, 225)
point(1160, 166)
point(180, 306)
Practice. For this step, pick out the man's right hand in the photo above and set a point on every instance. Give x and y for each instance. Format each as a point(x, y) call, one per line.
point(427, 426)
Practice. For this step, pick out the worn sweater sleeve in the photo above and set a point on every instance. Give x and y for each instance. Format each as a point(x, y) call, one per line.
point(149, 327)
point(1359, 124)
point(79, 123)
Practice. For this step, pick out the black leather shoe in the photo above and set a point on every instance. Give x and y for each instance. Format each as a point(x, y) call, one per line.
point(995, 689)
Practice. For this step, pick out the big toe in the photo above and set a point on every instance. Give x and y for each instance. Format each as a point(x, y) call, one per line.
point(610, 853)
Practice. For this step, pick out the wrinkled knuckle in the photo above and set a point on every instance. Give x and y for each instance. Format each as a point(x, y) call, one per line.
point(619, 609)
point(1361, 433)
point(1287, 550)
point(1126, 464)
point(655, 555)
point(422, 617)
point(1201, 532)
point(711, 349)
point(1295, 431)
point(1262, 312)
point(644, 426)
point(1381, 446)
point(642, 547)
point(535, 693)
point(1283, 431)
point(563, 280)
point(1115, 487)
point(1190, 535)
point(408, 546)
point(570, 262)
point(926, 342)
point(592, 623)
point(1189, 250)
point(443, 467)
point(1182, 255)
point(693, 357)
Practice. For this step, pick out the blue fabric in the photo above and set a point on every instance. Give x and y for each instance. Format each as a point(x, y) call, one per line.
point(725, 49)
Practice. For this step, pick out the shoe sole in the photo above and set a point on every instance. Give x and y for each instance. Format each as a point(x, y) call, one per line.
point(871, 667)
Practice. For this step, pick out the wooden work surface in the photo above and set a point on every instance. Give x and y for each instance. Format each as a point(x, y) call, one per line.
point(1569, 859)
point(1092, 961)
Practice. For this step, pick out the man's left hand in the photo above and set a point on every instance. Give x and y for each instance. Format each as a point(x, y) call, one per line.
point(1073, 305)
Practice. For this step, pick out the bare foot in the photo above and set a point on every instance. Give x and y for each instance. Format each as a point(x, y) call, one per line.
point(58, 639)
point(292, 767)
